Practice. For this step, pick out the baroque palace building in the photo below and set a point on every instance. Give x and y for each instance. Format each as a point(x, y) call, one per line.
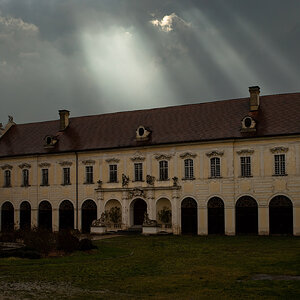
point(227, 167)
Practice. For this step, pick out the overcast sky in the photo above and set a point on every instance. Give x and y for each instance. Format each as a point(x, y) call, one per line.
point(93, 57)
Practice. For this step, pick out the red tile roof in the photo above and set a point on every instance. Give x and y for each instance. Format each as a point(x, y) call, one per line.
point(278, 115)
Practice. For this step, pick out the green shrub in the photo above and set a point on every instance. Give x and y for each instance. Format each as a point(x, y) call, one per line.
point(86, 244)
point(67, 242)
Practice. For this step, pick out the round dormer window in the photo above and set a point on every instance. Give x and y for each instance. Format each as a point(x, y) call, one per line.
point(141, 131)
point(248, 122)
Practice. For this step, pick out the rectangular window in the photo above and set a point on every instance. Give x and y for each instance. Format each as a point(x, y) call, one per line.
point(215, 170)
point(25, 174)
point(246, 166)
point(45, 177)
point(89, 174)
point(188, 169)
point(7, 178)
point(113, 175)
point(280, 164)
point(163, 170)
point(138, 172)
point(66, 174)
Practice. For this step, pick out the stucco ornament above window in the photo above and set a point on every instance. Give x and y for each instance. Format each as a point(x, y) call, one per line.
point(214, 153)
point(138, 157)
point(65, 163)
point(188, 155)
point(44, 165)
point(25, 166)
point(245, 151)
point(163, 156)
point(142, 134)
point(248, 124)
point(112, 160)
point(6, 167)
point(279, 149)
point(50, 141)
point(88, 162)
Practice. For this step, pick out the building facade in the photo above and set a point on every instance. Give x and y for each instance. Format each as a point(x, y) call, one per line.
point(227, 167)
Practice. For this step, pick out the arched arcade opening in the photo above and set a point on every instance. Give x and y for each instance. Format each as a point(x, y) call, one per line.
point(7, 217)
point(164, 211)
point(215, 216)
point(66, 215)
point(281, 215)
point(189, 216)
point(138, 207)
point(45, 215)
point(246, 216)
point(25, 215)
point(88, 215)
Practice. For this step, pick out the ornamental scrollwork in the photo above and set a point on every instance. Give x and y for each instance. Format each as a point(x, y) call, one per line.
point(162, 156)
point(112, 160)
point(6, 167)
point(138, 157)
point(245, 151)
point(25, 165)
point(279, 149)
point(88, 162)
point(65, 163)
point(150, 179)
point(136, 192)
point(44, 165)
point(215, 153)
point(188, 155)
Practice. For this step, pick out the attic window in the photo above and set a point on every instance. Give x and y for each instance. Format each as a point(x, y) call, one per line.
point(248, 124)
point(142, 134)
point(50, 141)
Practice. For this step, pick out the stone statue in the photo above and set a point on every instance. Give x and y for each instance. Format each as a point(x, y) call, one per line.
point(125, 180)
point(10, 119)
point(175, 181)
point(150, 179)
point(102, 221)
point(99, 184)
point(149, 222)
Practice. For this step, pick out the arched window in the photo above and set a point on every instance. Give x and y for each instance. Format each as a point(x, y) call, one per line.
point(163, 170)
point(7, 178)
point(25, 175)
point(215, 169)
point(188, 169)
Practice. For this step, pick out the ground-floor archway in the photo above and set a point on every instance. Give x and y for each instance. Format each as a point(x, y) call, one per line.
point(88, 215)
point(7, 217)
point(164, 211)
point(25, 215)
point(45, 215)
point(215, 216)
point(66, 215)
point(113, 209)
point(246, 216)
point(189, 216)
point(281, 215)
point(138, 208)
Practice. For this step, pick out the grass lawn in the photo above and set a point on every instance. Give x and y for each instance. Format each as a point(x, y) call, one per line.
point(160, 267)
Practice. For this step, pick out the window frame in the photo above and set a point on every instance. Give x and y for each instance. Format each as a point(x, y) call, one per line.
point(7, 178)
point(89, 175)
point(163, 167)
point(113, 173)
point(280, 165)
point(66, 176)
point(25, 177)
point(45, 177)
point(245, 163)
point(188, 169)
point(215, 167)
point(138, 171)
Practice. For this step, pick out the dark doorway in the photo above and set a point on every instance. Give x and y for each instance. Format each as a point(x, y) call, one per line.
point(246, 216)
point(7, 217)
point(281, 215)
point(88, 215)
point(189, 217)
point(66, 215)
point(45, 216)
point(215, 214)
point(139, 209)
point(25, 216)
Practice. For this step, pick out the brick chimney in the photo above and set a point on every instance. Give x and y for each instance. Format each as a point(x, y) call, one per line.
point(254, 97)
point(64, 119)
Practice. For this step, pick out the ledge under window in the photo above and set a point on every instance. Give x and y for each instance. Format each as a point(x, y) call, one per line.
point(138, 181)
point(276, 175)
point(215, 177)
point(7, 186)
point(25, 185)
point(63, 184)
point(163, 179)
point(248, 176)
point(44, 184)
point(112, 181)
point(188, 178)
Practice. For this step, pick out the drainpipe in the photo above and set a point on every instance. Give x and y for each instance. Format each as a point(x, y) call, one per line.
point(76, 154)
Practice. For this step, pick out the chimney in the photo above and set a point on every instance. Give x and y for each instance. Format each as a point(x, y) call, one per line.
point(64, 119)
point(254, 97)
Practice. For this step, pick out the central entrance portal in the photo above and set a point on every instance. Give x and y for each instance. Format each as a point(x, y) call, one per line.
point(139, 209)
point(189, 218)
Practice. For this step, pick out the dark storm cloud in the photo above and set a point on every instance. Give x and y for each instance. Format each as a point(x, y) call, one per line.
point(101, 56)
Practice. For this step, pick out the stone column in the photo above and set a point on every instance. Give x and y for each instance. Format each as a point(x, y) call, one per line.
point(17, 218)
point(125, 210)
point(229, 219)
point(202, 219)
point(263, 219)
point(296, 218)
point(34, 217)
point(151, 210)
point(55, 219)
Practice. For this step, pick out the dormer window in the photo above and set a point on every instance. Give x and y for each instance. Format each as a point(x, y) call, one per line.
point(248, 124)
point(50, 141)
point(142, 134)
